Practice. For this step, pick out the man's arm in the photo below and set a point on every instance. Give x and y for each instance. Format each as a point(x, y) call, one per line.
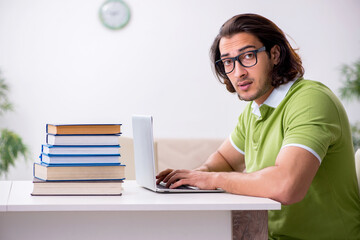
point(287, 182)
point(225, 159)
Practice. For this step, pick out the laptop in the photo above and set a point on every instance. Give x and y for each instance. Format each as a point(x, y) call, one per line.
point(145, 158)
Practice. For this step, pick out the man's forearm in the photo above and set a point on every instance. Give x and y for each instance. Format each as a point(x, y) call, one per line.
point(287, 181)
point(215, 163)
point(263, 183)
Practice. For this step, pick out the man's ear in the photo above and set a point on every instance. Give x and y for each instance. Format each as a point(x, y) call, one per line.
point(275, 54)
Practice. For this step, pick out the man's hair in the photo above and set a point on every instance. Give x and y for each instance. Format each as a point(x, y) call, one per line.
point(290, 64)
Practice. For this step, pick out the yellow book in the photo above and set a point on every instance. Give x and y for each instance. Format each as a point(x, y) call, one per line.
point(83, 128)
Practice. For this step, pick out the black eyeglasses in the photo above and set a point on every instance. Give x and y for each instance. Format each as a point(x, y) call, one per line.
point(246, 59)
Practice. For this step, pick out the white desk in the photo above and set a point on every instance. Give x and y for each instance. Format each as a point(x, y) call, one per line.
point(134, 215)
point(5, 187)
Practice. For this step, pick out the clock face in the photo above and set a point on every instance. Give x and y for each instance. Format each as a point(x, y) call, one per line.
point(114, 14)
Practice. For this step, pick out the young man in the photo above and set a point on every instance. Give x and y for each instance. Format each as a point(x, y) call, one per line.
point(293, 137)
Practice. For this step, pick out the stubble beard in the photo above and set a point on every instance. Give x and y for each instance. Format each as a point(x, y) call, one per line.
point(259, 93)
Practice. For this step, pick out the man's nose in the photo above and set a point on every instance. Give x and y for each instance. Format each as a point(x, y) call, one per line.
point(239, 71)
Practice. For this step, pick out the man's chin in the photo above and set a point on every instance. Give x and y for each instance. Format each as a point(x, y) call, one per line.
point(244, 98)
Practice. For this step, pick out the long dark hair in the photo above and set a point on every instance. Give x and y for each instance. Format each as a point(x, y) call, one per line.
point(290, 64)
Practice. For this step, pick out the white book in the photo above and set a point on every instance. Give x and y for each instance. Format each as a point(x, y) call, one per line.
point(82, 139)
point(64, 149)
point(80, 159)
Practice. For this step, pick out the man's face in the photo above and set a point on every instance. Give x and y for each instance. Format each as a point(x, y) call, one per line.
point(250, 83)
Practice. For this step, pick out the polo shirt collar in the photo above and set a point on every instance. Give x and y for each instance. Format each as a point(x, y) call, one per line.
point(274, 99)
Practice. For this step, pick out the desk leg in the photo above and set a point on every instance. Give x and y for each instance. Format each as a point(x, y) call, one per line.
point(249, 225)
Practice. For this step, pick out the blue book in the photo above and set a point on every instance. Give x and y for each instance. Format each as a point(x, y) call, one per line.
point(95, 159)
point(78, 172)
point(72, 149)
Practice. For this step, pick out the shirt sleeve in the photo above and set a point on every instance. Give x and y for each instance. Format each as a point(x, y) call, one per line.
point(312, 122)
point(237, 137)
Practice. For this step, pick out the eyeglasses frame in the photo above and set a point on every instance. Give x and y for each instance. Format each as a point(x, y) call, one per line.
point(237, 58)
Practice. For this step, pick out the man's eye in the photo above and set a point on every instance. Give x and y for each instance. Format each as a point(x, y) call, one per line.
point(249, 55)
point(227, 62)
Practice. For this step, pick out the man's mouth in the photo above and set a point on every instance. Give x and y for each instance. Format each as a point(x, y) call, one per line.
point(245, 85)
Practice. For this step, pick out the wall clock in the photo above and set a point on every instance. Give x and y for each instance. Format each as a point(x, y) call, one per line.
point(114, 14)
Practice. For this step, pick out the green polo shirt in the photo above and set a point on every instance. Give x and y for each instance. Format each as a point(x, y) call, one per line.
point(305, 114)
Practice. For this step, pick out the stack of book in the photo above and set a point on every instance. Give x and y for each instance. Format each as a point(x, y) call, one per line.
point(80, 159)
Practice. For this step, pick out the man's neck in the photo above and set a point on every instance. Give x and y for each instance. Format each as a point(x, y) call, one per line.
point(263, 98)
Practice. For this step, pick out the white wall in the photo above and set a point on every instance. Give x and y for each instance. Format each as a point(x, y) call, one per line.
point(63, 66)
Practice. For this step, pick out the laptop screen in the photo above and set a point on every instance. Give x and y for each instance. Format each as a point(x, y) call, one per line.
point(144, 151)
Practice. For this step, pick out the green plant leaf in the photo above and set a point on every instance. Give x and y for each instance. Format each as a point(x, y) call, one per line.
point(5, 104)
point(355, 130)
point(11, 147)
point(351, 86)
point(11, 144)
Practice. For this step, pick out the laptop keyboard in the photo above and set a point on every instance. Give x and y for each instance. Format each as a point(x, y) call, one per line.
point(162, 186)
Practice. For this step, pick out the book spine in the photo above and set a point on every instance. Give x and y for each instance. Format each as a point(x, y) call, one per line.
point(80, 150)
point(79, 164)
point(117, 134)
point(63, 129)
point(82, 146)
point(81, 180)
point(80, 155)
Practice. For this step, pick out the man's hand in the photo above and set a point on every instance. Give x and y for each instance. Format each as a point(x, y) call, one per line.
point(162, 175)
point(176, 178)
point(225, 159)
